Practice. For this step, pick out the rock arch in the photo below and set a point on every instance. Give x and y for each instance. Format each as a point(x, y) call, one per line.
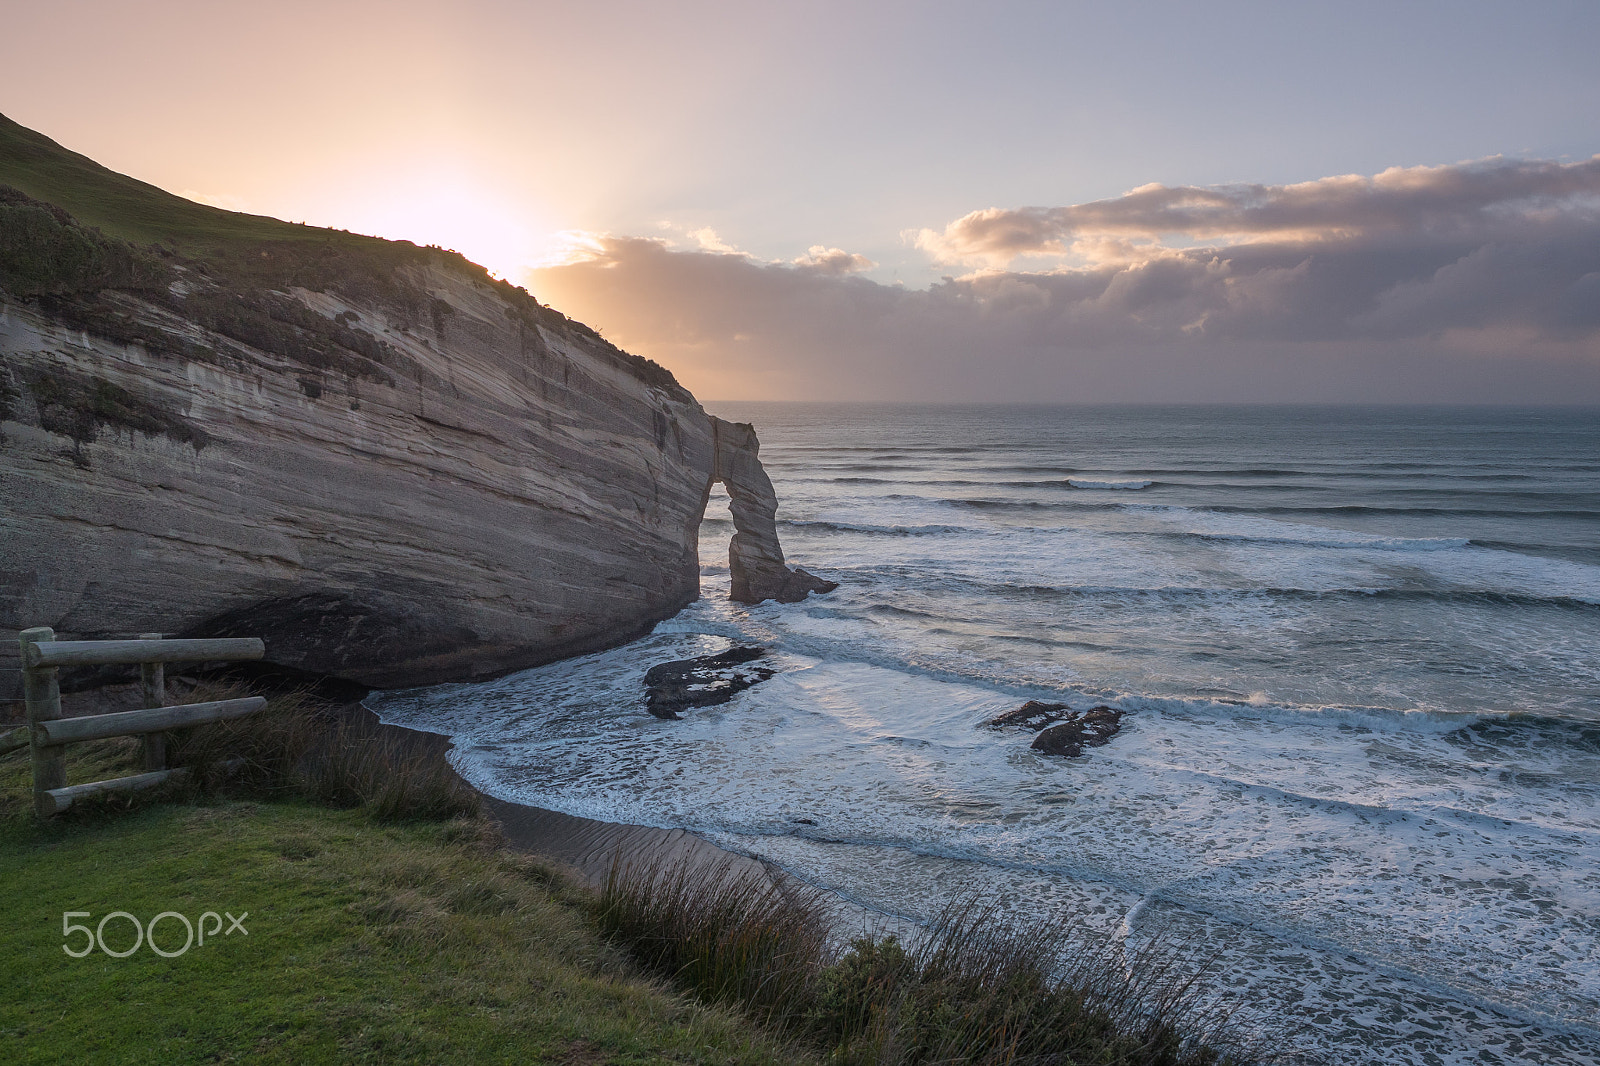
point(755, 558)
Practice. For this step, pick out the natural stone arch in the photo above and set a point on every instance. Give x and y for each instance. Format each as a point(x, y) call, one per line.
point(755, 558)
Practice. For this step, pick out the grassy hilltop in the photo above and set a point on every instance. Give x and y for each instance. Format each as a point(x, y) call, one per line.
point(148, 218)
point(134, 210)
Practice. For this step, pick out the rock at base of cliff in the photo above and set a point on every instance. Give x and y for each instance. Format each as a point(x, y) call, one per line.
point(782, 584)
point(1091, 729)
point(702, 682)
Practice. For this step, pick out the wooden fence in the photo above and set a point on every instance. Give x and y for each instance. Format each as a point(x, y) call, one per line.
point(47, 733)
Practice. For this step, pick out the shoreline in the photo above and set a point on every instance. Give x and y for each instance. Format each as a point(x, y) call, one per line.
point(586, 847)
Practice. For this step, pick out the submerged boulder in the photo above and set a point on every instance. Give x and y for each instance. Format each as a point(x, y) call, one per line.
point(1035, 714)
point(702, 682)
point(1062, 730)
point(1091, 729)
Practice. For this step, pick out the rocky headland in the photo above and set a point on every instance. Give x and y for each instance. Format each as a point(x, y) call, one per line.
point(393, 467)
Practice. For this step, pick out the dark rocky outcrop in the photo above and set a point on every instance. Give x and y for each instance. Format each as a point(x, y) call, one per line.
point(755, 559)
point(1031, 715)
point(1061, 730)
point(703, 682)
point(1091, 729)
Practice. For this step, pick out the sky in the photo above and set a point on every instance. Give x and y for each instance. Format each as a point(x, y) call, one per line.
point(915, 200)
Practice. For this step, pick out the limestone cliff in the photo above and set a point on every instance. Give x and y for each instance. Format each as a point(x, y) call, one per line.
point(395, 468)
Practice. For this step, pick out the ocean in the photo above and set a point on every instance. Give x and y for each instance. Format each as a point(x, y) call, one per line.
point(1359, 771)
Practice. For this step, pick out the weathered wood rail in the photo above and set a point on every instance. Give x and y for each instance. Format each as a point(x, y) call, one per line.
point(47, 733)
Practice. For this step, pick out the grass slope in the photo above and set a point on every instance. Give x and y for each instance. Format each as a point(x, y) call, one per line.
point(417, 942)
point(128, 208)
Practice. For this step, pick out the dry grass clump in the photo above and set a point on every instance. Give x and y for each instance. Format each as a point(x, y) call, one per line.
point(969, 991)
point(729, 937)
point(299, 747)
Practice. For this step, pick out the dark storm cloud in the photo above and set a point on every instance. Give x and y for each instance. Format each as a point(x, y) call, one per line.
point(1477, 282)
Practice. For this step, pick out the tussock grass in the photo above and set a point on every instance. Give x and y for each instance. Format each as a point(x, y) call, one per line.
point(727, 936)
point(297, 747)
point(971, 990)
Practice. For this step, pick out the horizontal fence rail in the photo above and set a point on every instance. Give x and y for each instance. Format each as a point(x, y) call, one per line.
point(47, 733)
point(150, 720)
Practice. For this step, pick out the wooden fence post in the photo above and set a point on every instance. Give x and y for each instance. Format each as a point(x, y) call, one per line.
point(154, 679)
point(41, 686)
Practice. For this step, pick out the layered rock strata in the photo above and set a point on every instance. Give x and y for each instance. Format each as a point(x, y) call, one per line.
point(495, 494)
point(497, 497)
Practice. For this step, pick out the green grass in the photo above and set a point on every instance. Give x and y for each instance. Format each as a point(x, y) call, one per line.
point(367, 942)
point(128, 208)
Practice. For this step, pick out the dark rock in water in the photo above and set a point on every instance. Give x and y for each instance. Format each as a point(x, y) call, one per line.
point(1091, 729)
point(703, 682)
point(1065, 732)
point(1031, 715)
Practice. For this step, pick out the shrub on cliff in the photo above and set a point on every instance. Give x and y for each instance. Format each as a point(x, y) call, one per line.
point(43, 250)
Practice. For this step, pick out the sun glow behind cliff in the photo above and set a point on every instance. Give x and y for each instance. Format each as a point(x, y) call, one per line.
point(457, 211)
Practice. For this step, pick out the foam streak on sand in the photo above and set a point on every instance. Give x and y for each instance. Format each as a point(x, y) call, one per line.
point(1361, 759)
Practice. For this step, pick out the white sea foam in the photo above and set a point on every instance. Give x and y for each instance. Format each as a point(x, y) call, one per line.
point(1359, 760)
point(1087, 483)
point(1419, 544)
point(1254, 822)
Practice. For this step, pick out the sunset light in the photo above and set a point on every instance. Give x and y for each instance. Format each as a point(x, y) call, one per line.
point(449, 209)
point(952, 534)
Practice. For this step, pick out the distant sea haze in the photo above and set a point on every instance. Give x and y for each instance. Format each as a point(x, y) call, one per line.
point(1358, 648)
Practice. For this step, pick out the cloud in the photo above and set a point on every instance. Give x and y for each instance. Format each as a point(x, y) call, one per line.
point(1492, 195)
point(565, 247)
point(707, 239)
point(1474, 283)
point(834, 261)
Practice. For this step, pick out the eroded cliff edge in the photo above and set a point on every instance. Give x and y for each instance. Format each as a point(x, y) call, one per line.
point(395, 468)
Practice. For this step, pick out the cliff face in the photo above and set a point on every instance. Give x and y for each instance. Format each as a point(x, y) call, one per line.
point(507, 495)
point(392, 467)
